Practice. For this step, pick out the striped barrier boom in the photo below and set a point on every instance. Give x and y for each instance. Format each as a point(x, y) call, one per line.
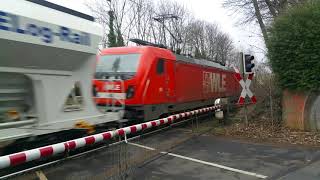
point(51, 150)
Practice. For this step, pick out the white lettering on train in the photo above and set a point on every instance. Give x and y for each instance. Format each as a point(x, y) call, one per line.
point(214, 82)
point(47, 33)
point(113, 87)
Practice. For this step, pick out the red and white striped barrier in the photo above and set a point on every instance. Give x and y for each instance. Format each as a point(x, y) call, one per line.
point(245, 88)
point(38, 153)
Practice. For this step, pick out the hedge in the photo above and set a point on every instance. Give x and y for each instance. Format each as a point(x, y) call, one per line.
point(294, 48)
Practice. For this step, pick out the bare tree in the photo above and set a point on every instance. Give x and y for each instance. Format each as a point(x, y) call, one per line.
point(211, 36)
point(261, 11)
point(260, 19)
point(136, 19)
point(224, 47)
point(233, 59)
point(208, 42)
point(119, 9)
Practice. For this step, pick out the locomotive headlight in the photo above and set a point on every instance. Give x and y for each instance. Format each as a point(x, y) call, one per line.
point(130, 92)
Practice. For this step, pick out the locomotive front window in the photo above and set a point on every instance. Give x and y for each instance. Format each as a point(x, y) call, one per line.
point(121, 63)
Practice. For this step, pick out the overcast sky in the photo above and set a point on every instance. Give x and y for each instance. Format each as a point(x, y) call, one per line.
point(209, 10)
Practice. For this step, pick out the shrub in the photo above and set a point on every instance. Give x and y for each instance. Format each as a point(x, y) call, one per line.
point(294, 47)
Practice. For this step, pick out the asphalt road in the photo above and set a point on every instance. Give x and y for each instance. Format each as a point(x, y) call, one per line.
point(196, 157)
point(262, 160)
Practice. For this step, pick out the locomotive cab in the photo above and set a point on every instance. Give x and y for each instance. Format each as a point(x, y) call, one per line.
point(136, 78)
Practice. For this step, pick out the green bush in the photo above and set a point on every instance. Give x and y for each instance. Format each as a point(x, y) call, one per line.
point(294, 48)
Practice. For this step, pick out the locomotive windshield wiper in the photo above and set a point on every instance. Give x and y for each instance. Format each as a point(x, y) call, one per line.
point(116, 65)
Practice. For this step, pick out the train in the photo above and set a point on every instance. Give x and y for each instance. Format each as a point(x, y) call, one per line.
point(51, 78)
point(44, 56)
point(154, 82)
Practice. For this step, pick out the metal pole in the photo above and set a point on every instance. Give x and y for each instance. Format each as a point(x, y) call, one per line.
point(197, 121)
point(243, 75)
point(245, 114)
point(192, 124)
point(226, 116)
point(271, 102)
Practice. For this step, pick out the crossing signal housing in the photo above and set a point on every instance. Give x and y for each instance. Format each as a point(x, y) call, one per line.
point(248, 63)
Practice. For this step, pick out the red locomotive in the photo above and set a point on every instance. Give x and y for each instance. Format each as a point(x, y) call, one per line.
point(156, 82)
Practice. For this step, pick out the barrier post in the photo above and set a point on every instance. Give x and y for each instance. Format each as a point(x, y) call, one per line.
point(192, 125)
point(197, 122)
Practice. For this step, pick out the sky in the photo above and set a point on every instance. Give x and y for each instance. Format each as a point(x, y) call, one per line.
point(245, 37)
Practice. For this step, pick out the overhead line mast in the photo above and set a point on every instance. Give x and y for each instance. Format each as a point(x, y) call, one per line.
point(161, 19)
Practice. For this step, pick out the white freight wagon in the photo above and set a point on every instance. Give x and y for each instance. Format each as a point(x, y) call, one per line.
point(46, 51)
